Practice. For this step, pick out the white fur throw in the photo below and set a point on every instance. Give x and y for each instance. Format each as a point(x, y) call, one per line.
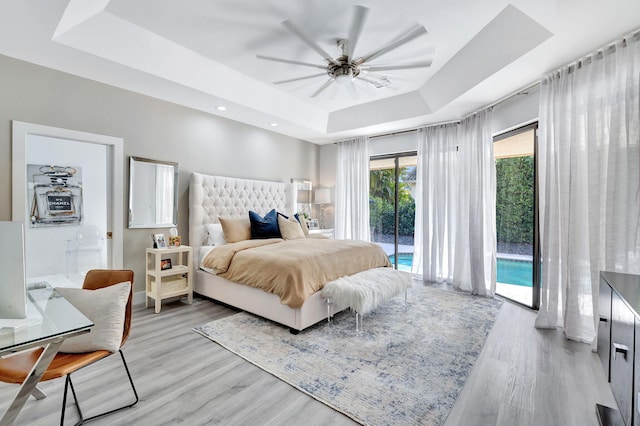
point(366, 290)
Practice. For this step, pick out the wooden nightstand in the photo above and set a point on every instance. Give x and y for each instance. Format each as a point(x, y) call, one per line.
point(173, 282)
point(328, 232)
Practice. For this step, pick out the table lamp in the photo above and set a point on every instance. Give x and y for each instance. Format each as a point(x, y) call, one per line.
point(322, 196)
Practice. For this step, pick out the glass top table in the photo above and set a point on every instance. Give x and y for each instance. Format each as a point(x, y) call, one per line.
point(50, 320)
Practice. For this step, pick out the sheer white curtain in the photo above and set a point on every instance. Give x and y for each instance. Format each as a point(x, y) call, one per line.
point(475, 246)
point(589, 180)
point(352, 190)
point(455, 212)
point(436, 186)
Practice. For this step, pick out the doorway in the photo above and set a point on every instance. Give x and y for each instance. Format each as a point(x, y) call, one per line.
point(67, 190)
point(516, 218)
point(392, 187)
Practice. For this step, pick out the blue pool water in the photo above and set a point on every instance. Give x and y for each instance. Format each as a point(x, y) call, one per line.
point(404, 259)
point(518, 272)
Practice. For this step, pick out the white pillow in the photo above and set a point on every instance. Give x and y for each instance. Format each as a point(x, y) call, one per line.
point(204, 251)
point(216, 235)
point(106, 308)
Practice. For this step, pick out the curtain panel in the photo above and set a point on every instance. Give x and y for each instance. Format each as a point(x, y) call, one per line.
point(475, 246)
point(352, 190)
point(455, 209)
point(589, 183)
point(436, 189)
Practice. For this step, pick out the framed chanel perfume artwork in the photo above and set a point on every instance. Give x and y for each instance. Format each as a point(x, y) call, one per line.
point(55, 195)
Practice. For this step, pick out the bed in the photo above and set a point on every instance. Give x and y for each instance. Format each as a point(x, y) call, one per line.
point(213, 196)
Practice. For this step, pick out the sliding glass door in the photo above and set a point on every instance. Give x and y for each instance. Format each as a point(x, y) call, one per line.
point(392, 206)
point(516, 222)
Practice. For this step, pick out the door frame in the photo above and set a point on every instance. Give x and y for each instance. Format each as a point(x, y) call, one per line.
point(537, 264)
point(115, 185)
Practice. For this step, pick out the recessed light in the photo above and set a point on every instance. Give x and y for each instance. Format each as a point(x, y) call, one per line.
point(273, 124)
point(221, 108)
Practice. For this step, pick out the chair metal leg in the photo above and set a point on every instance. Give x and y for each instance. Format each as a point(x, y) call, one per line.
point(64, 400)
point(75, 400)
point(73, 392)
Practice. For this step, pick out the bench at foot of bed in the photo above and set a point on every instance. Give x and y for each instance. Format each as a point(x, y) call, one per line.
point(367, 290)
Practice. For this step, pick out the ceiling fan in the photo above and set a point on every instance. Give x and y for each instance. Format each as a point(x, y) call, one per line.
point(348, 66)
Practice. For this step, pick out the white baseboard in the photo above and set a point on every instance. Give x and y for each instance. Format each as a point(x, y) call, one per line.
point(138, 298)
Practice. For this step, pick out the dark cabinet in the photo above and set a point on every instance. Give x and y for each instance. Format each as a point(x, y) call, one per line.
point(619, 340)
point(636, 377)
point(604, 326)
point(621, 356)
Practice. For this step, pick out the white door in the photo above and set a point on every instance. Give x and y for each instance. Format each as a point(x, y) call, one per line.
point(67, 190)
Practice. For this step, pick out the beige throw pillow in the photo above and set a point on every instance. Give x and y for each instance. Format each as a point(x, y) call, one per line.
point(290, 228)
point(105, 307)
point(236, 228)
point(304, 225)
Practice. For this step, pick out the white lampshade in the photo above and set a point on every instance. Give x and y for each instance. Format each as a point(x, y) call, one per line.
point(323, 196)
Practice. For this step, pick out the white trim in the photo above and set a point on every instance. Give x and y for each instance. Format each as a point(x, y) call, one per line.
point(139, 298)
point(115, 185)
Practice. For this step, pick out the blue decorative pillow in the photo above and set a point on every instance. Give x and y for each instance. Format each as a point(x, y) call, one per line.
point(264, 227)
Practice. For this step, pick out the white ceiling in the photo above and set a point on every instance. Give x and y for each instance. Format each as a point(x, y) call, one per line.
point(202, 53)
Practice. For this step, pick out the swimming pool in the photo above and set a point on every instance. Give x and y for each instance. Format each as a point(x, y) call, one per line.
point(517, 272)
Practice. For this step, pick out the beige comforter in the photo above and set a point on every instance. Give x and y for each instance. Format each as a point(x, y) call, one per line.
point(293, 269)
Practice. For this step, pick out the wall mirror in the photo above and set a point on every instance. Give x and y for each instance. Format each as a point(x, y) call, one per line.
point(302, 196)
point(153, 193)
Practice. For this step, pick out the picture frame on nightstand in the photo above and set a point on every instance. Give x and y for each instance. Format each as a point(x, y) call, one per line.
point(165, 264)
point(159, 241)
point(313, 224)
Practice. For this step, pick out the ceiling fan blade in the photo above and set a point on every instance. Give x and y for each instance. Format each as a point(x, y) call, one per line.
point(414, 32)
point(324, 86)
point(352, 88)
point(357, 24)
point(308, 40)
point(291, 80)
point(289, 61)
point(425, 64)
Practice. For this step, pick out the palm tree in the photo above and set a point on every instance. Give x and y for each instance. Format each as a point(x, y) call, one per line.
point(382, 184)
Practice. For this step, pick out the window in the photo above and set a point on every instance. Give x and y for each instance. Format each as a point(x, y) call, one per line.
point(392, 206)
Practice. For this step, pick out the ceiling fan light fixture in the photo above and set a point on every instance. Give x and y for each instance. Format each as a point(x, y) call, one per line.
point(343, 79)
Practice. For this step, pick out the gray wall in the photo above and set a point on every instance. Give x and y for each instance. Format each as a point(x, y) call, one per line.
point(150, 128)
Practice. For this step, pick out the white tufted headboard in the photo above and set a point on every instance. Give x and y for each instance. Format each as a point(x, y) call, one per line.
point(213, 196)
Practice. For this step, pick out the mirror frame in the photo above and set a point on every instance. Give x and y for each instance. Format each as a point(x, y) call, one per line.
point(302, 185)
point(132, 173)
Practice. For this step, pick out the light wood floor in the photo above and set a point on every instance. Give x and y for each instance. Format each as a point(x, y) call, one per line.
point(523, 376)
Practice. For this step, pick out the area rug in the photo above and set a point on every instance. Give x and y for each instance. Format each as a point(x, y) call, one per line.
point(406, 368)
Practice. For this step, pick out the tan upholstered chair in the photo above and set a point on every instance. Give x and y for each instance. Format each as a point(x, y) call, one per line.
point(14, 369)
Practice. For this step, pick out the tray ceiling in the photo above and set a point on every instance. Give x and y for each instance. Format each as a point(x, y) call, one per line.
point(202, 54)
